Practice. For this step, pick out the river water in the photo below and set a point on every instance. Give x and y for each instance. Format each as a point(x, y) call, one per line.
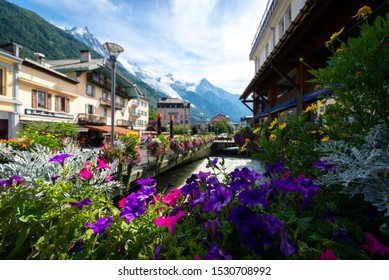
point(177, 176)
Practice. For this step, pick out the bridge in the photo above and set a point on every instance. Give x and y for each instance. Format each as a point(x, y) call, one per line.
point(223, 143)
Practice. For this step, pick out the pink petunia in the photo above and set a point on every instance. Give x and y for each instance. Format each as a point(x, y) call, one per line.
point(122, 202)
point(172, 197)
point(197, 257)
point(101, 164)
point(374, 246)
point(170, 222)
point(109, 178)
point(328, 255)
point(85, 173)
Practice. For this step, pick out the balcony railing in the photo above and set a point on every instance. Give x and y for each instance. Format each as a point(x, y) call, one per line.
point(123, 123)
point(91, 119)
point(135, 103)
point(94, 78)
point(134, 116)
point(107, 102)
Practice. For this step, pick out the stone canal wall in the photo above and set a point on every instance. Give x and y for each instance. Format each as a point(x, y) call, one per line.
point(153, 168)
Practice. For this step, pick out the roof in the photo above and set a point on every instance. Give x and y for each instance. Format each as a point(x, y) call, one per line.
point(100, 65)
point(48, 70)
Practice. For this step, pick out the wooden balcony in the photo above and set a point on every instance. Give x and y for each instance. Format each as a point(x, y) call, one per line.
point(96, 79)
point(91, 119)
point(123, 123)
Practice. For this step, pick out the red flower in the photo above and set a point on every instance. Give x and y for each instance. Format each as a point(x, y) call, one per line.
point(328, 255)
point(374, 246)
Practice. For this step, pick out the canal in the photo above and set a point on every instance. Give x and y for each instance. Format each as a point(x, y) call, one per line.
point(177, 176)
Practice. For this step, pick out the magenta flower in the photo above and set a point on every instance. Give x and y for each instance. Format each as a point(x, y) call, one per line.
point(170, 222)
point(101, 164)
point(374, 246)
point(85, 173)
point(81, 204)
point(108, 179)
point(328, 255)
point(172, 197)
point(122, 202)
point(100, 226)
point(60, 158)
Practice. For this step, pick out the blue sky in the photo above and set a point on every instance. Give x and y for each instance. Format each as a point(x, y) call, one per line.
point(197, 38)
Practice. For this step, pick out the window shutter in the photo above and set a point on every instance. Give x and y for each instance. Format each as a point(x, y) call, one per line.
point(34, 103)
point(48, 101)
point(86, 109)
point(94, 110)
point(67, 105)
point(56, 103)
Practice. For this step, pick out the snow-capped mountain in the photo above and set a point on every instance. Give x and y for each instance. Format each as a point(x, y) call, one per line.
point(204, 97)
point(83, 35)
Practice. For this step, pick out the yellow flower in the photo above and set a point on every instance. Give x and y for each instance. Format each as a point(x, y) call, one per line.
point(358, 74)
point(325, 139)
point(363, 12)
point(246, 142)
point(317, 87)
point(311, 107)
point(257, 130)
point(283, 115)
point(282, 126)
point(273, 123)
point(272, 137)
point(323, 101)
point(301, 59)
point(338, 50)
point(294, 142)
point(334, 36)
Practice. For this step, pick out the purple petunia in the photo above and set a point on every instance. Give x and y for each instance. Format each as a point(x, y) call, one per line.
point(77, 246)
point(252, 197)
point(190, 188)
point(212, 163)
point(216, 253)
point(147, 182)
point(214, 226)
point(145, 192)
point(133, 207)
point(100, 225)
point(218, 198)
point(324, 165)
point(60, 158)
point(242, 179)
point(277, 167)
point(157, 251)
point(81, 204)
point(286, 246)
point(10, 182)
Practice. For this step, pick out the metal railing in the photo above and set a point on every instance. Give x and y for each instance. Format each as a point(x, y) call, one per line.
point(91, 119)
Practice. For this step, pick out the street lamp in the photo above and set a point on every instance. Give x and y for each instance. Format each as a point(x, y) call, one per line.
point(114, 50)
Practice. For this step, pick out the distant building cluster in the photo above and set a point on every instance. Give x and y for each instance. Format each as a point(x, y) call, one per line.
point(68, 90)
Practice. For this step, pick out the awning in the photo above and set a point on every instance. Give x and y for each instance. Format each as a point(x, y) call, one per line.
point(284, 106)
point(315, 94)
point(261, 114)
point(107, 129)
point(82, 129)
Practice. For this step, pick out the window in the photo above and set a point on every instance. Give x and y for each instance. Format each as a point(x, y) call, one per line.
point(105, 112)
point(267, 50)
point(281, 28)
point(2, 90)
point(41, 100)
point(89, 109)
point(122, 100)
point(90, 90)
point(105, 95)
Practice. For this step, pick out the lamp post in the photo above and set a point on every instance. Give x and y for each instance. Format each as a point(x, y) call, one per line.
point(159, 118)
point(114, 50)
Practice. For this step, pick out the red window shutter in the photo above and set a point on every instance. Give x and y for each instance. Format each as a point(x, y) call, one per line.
point(67, 105)
point(34, 102)
point(48, 102)
point(56, 103)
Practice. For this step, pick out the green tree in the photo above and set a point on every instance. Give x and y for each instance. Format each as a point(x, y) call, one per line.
point(152, 114)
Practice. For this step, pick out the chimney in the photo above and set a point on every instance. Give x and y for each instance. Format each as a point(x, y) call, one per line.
point(12, 48)
point(40, 58)
point(85, 55)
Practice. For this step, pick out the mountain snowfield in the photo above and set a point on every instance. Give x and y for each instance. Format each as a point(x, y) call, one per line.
point(204, 97)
